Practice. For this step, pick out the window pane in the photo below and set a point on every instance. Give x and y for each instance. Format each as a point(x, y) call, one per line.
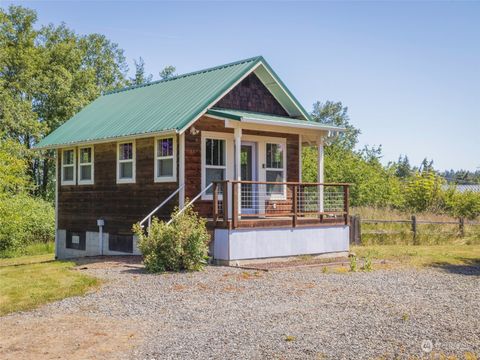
point(85, 155)
point(126, 170)
point(215, 152)
point(274, 176)
point(126, 151)
point(165, 147)
point(165, 167)
point(213, 175)
point(68, 173)
point(68, 157)
point(275, 156)
point(86, 172)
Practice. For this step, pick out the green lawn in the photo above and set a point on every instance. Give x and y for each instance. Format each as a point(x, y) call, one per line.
point(29, 281)
point(423, 255)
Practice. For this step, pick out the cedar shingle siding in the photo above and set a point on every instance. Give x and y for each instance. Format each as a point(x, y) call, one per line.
point(251, 95)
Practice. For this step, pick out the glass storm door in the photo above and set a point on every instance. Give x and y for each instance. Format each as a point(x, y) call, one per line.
point(248, 166)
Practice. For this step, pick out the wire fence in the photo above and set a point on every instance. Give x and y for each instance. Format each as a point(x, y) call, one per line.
point(412, 231)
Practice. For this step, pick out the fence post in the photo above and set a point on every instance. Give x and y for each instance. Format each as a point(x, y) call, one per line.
point(235, 205)
point(295, 207)
point(358, 230)
point(225, 203)
point(346, 201)
point(461, 225)
point(414, 229)
point(353, 222)
point(215, 203)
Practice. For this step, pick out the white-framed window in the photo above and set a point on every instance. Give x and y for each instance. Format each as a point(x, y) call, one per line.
point(85, 165)
point(165, 159)
point(275, 168)
point(126, 162)
point(68, 167)
point(214, 161)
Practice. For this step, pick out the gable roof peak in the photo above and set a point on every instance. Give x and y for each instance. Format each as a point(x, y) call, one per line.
point(238, 62)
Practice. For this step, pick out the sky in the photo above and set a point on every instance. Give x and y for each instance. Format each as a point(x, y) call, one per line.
point(409, 72)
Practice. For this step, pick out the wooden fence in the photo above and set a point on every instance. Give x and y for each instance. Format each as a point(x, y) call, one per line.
point(356, 226)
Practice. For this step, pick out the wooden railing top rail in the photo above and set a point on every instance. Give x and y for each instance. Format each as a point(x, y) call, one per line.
point(280, 183)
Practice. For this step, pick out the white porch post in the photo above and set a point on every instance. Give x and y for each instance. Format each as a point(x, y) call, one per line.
point(320, 175)
point(300, 151)
point(237, 134)
point(181, 169)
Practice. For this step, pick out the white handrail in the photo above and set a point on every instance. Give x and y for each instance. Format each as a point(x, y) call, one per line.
point(190, 203)
point(149, 216)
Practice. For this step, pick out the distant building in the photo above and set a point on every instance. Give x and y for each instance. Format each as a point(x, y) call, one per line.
point(463, 188)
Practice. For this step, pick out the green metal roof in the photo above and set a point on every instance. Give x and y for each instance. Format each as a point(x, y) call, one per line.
point(249, 116)
point(167, 105)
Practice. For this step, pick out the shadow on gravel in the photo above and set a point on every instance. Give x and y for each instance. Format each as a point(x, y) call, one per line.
point(132, 262)
point(470, 267)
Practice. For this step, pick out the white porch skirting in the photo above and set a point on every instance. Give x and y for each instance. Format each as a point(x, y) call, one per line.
point(243, 244)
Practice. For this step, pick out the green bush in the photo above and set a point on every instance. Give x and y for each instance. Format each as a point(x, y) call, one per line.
point(182, 245)
point(24, 220)
point(464, 205)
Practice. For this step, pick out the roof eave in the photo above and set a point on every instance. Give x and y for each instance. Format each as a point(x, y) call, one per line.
point(105, 140)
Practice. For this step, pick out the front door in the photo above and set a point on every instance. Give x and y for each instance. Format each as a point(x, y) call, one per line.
point(248, 165)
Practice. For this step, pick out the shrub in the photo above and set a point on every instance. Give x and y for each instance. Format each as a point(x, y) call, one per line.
point(353, 263)
point(24, 220)
point(463, 205)
point(182, 245)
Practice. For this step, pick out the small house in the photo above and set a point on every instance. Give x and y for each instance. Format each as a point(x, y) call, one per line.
point(226, 139)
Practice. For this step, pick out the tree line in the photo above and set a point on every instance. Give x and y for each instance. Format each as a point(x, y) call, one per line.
point(398, 184)
point(47, 74)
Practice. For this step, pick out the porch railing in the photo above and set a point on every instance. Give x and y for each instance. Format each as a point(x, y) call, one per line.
point(235, 202)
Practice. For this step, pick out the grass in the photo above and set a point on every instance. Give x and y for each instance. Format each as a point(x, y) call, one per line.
point(423, 255)
point(39, 248)
point(30, 281)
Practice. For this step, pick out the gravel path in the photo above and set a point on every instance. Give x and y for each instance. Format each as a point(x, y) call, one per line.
point(287, 314)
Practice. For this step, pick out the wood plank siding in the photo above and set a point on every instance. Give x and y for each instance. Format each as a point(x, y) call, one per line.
point(120, 205)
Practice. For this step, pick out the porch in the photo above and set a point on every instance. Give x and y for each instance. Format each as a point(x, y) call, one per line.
point(254, 220)
point(256, 204)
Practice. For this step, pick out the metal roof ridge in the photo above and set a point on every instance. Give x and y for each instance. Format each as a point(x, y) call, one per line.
point(218, 67)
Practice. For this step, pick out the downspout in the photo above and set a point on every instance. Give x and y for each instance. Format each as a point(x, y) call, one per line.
point(100, 223)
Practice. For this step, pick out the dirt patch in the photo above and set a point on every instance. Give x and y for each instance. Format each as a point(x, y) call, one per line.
point(66, 336)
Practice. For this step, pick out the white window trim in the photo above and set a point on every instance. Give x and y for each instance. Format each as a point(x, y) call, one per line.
point(69, 182)
point(228, 138)
point(91, 163)
point(282, 142)
point(173, 178)
point(133, 160)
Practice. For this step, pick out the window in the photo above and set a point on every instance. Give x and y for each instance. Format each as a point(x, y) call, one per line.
point(85, 165)
point(275, 168)
point(215, 163)
point(68, 167)
point(165, 159)
point(126, 162)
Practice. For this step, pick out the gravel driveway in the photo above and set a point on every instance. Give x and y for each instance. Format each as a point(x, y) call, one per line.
point(233, 313)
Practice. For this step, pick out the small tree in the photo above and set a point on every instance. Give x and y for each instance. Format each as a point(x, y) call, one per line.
point(464, 205)
point(181, 245)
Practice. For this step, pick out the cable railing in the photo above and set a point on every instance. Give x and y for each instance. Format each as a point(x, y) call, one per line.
point(300, 203)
